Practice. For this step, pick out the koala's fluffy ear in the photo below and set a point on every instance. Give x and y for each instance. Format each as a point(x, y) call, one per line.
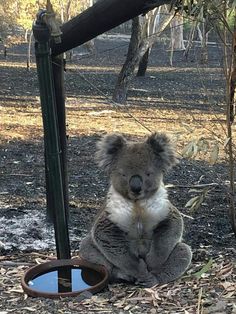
point(163, 150)
point(108, 149)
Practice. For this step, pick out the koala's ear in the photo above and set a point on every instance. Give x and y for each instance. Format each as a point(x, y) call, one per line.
point(108, 149)
point(163, 150)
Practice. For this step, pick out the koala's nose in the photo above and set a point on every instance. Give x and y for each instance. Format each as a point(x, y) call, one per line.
point(135, 184)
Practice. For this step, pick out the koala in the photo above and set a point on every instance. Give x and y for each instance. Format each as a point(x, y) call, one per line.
point(137, 235)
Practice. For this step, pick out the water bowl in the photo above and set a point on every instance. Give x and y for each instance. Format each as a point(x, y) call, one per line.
point(64, 278)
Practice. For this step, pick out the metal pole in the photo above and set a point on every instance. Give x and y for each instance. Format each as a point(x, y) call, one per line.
point(51, 135)
point(58, 77)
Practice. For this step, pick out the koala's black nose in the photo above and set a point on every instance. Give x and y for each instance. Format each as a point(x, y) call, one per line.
point(135, 184)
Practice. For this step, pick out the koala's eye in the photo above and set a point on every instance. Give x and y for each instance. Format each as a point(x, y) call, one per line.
point(149, 173)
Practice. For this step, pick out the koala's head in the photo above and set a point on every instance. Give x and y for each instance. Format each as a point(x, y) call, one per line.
point(135, 168)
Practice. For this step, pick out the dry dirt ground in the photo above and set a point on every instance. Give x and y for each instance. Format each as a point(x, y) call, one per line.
point(186, 101)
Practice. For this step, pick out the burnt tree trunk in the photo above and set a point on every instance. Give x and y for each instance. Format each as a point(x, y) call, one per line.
point(127, 71)
point(143, 63)
point(190, 38)
point(149, 29)
point(101, 17)
point(141, 41)
point(5, 52)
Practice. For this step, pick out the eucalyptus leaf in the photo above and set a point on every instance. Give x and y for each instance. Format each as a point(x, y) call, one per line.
point(204, 269)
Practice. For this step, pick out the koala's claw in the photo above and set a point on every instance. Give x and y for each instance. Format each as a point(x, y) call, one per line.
point(148, 282)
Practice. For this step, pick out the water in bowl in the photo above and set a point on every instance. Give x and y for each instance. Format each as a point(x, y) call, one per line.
point(66, 279)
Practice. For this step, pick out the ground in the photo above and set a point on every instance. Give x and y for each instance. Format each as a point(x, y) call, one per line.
point(186, 101)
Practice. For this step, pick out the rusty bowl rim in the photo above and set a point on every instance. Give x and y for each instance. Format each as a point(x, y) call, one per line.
point(36, 270)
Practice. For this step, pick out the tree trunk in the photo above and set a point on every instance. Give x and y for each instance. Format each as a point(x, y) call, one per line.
point(177, 39)
point(140, 44)
point(26, 35)
point(101, 17)
point(230, 115)
point(5, 52)
point(204, 51)
point(127, 71)
point(148, 30)
point(157, 21)
point(203, 36)
point(28, 62)
point(190, 38)
point(143, 63)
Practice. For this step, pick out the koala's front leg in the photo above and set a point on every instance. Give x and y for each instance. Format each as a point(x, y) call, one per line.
point(165, 237)
point(168, 258)
point(114, 245)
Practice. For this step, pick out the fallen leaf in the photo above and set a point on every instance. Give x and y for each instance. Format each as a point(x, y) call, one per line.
point(190, 150)
point(192, 201)
point(20, 290)
point(128, 307)
point(229, 295)
point(225, 271)
point(234, 309)
point(228, 286)
point(30, 309)
point(204, 269)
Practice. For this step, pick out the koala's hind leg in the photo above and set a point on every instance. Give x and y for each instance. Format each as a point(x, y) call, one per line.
point(176, 264)
point(89, 252)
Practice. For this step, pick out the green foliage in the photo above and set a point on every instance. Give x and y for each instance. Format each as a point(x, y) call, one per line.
point(212, 10)
point(231, 18)
point(20, 14)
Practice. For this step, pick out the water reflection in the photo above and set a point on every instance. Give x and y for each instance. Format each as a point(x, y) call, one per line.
point(66, 279)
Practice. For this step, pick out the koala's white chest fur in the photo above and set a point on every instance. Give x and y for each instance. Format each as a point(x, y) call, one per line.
point(138, 218)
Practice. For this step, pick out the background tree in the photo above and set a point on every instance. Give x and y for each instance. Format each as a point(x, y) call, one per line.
point(145, 31)
point(176, 28)
point(16, 18)
point(202, 24)
point(149, 29)
point(176, 34)
point(8, 22)
point(127, 72)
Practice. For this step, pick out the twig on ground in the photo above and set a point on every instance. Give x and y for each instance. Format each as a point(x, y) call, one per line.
point(199, 301)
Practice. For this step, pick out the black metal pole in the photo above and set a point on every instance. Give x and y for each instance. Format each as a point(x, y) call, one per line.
point(58, 77)
point(51, 135)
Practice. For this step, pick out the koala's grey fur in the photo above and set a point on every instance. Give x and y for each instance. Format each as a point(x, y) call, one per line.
point(137, 236)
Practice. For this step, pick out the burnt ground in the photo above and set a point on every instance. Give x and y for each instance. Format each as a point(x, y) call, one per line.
point(186, 101)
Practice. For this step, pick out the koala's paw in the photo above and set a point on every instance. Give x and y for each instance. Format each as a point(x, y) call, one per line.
point(147, 282)
point(176, 265)
point(145, 278)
